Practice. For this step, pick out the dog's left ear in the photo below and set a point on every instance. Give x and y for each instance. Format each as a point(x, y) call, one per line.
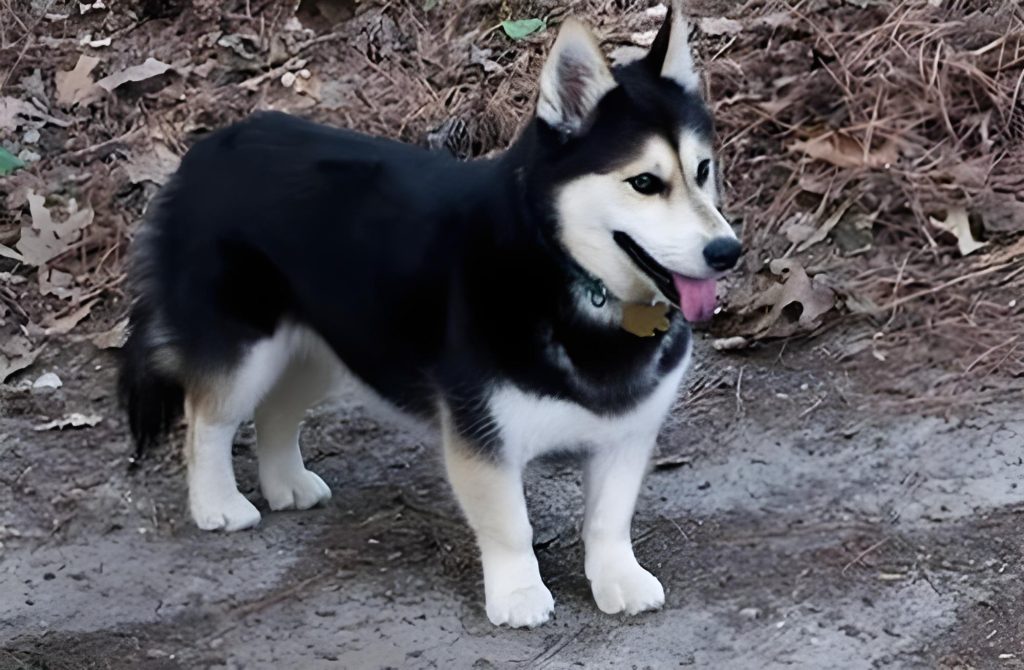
point(574, 79)
point(670, 54)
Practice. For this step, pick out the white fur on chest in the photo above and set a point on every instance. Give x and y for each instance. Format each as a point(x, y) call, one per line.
point(531, 425)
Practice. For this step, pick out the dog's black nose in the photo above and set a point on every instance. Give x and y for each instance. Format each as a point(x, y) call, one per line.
point(722, 253)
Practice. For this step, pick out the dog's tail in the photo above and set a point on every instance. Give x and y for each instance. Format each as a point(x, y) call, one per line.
point(153, 399)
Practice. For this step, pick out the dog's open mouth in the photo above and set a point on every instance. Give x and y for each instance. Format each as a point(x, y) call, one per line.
point(695, 297)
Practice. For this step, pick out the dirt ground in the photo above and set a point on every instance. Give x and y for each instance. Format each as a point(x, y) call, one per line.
point(793, 523)
point(842, 491)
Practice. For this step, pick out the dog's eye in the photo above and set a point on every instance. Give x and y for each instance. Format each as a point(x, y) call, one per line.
point(703, 168)
point(647, 184)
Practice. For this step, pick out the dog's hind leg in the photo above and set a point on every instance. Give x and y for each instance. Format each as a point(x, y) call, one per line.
point(491, 497)
point(214, 407)
point(285, 481)
point(214, 498)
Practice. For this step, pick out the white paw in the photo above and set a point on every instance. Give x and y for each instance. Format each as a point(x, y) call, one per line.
point(294, 490)
point(229, 512)
point(526, 607)
point(627, 588)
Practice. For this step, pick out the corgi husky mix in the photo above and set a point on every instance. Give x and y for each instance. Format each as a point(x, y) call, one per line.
point(522, 302)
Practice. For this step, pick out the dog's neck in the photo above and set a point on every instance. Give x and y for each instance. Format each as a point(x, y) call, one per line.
point(523, 244)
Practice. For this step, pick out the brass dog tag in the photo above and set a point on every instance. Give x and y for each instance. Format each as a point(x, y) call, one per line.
point(644, 320)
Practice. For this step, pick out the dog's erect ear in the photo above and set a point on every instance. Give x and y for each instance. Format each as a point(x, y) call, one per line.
point(670, 54)
point(574, 79)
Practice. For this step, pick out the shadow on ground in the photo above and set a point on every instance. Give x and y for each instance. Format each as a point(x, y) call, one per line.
point(792, 524)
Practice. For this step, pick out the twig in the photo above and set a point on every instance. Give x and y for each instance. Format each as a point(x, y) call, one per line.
point(864, 553)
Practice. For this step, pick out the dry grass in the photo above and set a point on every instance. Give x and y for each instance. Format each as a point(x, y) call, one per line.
point(904, 111)
point(916, 110)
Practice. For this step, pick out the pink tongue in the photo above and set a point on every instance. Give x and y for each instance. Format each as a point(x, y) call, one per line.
point(696, 297)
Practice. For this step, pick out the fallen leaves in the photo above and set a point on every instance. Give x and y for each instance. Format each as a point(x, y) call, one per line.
point(113, 338)
point(154, 163)
point(794, 305)
point(797, 304)
point(76, 85)
point(150, 68)
point(65, 323)
point(72, 420)
point(958, 223)
point(16, 353)
point(15, 113)
point(716, 25)
point(46, 239)
point(843, 151)
point(57, 283)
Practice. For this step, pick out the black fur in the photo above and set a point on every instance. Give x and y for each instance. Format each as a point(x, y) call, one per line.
point(153, 400)
point(423, 273)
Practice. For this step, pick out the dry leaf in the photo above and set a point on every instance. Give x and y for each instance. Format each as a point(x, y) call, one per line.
point(60, 284)
point(958, 223)
point(64, 324)
point(245, 46)
point(15, 113)
point(149, 69)
point(47, 239)
point(73, 420)
point(811, 298)
point(845, 151)
point(7, 252)
point(624, 55)
point(719, 26)
point(203, 69)
point(155, 164)
point(854, 233)
point(822, 233)
point(797, 232)
point(76, 85)
point(775, 106)
point(643, 39)
point(16, 353)
point(775, 20)
point(309, 86)
point(113, 338)
point(33, 87)
point(482, 57)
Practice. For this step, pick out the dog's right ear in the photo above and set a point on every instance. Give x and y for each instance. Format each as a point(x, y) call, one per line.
point(574, 79)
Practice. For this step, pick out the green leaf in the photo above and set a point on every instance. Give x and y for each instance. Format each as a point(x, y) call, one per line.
point(430, 4)
point(522, 28)
point(9, 162)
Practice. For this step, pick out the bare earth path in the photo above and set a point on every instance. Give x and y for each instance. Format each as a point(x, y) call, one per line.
point(792, 524)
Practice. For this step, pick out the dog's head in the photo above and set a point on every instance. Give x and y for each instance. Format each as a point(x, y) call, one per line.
point(633, 180)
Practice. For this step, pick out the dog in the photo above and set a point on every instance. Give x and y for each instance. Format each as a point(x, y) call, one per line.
point(535, 301)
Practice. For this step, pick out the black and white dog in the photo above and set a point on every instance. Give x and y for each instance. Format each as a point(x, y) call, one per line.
point(521, 302)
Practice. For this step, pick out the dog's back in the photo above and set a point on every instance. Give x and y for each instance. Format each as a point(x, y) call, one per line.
point(276, 218)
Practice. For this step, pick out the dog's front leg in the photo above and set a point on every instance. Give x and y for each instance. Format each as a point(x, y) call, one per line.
point(612, 483)
point(491, 496)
